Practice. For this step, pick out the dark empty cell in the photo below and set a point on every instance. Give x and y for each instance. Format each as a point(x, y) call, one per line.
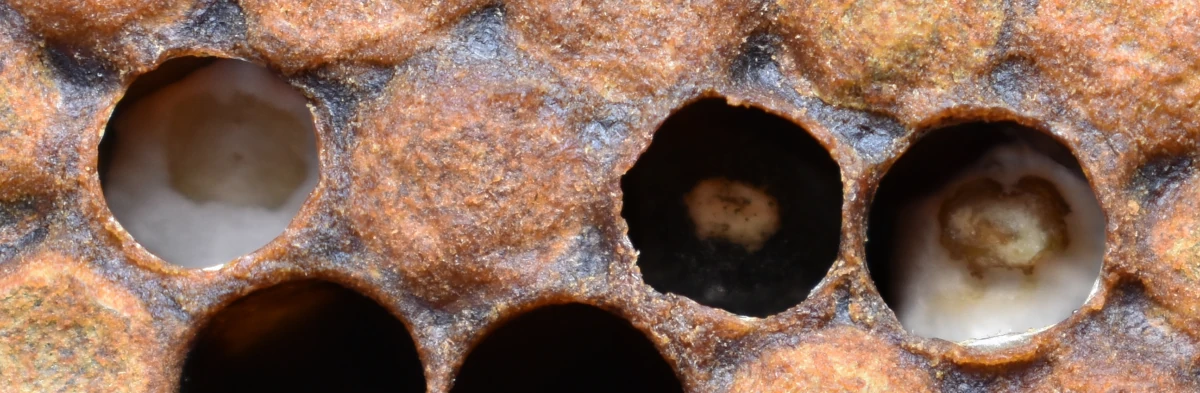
point(735, 208)
point(984, 229)
point(568, 348)
point(308, 336)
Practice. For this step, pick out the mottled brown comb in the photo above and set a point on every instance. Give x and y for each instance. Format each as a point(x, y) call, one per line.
point(492, 214)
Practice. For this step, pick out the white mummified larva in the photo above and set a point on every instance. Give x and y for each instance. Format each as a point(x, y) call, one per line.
point(1012, 244)
point(214, 166)
point(733, 211)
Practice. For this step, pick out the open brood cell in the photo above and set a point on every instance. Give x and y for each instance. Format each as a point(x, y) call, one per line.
point(205, 160)
point(704, 218)
point(984, 230)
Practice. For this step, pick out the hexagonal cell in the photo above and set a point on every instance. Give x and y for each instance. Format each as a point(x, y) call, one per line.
point(206, 159)
point(734, 208)
point(566, 348)
point(305, 336)
point(984, 230)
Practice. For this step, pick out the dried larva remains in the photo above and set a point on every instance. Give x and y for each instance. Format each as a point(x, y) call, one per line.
point(733, 211)
point(213, 166)
point(989, 226)
point(1013, 243)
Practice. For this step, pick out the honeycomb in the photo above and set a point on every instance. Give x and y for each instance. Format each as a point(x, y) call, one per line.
point(472, 227)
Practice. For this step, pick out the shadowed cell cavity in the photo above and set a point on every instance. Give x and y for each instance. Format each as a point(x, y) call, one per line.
point(299, 337)
point(734, 208)
point(567, 348)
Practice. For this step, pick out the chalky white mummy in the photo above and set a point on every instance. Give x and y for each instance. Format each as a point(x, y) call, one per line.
point(984, 258)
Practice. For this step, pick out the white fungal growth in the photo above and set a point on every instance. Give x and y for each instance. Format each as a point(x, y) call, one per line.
point(1013, 244)
point(214, 166)
point(733, 211)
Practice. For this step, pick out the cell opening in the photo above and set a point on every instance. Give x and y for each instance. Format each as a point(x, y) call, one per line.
point(305, 336)
point(566, 348)
point(983, 231)
point(734, 208)
point(206, 159)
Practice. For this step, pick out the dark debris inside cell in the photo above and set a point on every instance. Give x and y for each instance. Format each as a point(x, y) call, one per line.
point(710, 139)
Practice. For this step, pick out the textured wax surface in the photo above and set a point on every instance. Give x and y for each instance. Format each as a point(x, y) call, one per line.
point(471, 162)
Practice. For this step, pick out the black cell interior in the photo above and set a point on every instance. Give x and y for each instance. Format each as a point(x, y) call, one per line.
point(932, 162)
point(307, 336)
point(567, 348)
point(709, 139)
